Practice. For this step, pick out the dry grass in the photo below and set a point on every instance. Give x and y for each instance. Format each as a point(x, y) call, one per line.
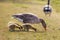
point(53, 22)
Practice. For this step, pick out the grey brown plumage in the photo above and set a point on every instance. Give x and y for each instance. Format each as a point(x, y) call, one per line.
point(29, 18)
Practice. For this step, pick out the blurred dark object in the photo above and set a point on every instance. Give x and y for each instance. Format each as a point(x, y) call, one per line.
point(47, 8)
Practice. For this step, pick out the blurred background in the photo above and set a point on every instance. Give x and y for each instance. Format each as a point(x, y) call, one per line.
point(10, 7)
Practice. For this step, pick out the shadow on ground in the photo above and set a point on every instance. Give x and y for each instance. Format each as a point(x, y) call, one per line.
point(28, 31)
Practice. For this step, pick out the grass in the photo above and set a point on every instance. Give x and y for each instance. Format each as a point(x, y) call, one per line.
point(53, 22)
